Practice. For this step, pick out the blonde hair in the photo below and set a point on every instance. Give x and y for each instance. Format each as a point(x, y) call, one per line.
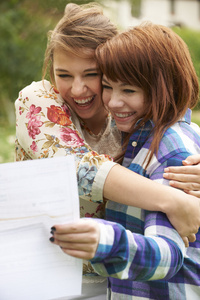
point(156, 59)
point(82, 27)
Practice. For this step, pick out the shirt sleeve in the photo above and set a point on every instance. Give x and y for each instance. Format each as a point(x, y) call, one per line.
point(126, 255)
point(155, 255)
point(44, 128)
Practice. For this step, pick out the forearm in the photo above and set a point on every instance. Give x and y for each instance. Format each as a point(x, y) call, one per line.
point(127, 187)
point(125, 255)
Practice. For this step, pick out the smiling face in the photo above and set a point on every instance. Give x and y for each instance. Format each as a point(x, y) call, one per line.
point(125, 102)
point(79, 82)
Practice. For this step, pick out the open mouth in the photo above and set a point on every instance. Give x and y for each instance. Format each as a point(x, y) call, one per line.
point(123, 115)
point(84, 101)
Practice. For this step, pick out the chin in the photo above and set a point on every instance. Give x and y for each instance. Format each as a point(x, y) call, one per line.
point(124, 129)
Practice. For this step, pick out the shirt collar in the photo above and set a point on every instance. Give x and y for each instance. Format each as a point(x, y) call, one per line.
point(139, 137)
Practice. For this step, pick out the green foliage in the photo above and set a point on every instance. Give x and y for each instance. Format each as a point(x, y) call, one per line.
point(23, 29)
point(7, 138)
point(23, 40)
point(136, 8)
point(192, 39)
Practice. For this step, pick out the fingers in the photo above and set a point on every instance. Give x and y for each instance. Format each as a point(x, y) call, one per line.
point(192, 170)
point(193, 193)
point(188, 186)
point(185, 178)
point(192, 160)
point(76, 240)
point(82, 225)
point(79, 239)
point(78, 254)
point(191, 238)
point(186, 242)
point(79, 250)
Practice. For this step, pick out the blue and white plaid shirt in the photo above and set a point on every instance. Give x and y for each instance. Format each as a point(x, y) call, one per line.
point(139, 251)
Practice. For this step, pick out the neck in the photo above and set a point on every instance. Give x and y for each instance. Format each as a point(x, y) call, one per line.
point(96, 123)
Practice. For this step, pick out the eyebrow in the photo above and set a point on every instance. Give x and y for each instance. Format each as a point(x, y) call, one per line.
point(122, 84)
point(87, 70)
point(105, 80)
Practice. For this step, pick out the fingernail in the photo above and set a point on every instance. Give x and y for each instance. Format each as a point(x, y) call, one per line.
point(51, 239)
point(166, 169)
point(53, 228)
point(52, 232)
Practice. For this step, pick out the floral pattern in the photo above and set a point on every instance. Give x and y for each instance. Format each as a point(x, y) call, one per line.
point(59, 115)
point(34, 121)
point(45, 129)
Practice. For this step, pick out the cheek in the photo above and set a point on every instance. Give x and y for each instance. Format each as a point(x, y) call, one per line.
point(96, 87)
point(105, 97)
point(61, 86)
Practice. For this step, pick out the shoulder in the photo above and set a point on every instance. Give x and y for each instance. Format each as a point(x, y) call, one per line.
point(181, 137)
point(39, 93)
point(37, 86)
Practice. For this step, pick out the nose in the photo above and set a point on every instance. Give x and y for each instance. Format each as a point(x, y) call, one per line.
point(115, 101)
point(78, 87)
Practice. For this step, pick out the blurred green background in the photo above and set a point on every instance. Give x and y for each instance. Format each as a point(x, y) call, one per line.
point(23, 30)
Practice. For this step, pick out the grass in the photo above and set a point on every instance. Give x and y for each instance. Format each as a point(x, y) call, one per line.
point(196, 117)
point(7, 143)
point(7, 139)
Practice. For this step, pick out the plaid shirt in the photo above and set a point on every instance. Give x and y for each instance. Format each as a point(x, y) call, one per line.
point(139, 251)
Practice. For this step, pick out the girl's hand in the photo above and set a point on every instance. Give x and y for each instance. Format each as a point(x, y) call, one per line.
point(184, 214)
point(79, 239)
point(186, 177)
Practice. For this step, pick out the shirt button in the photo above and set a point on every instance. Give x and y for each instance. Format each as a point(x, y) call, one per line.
point(134, 143)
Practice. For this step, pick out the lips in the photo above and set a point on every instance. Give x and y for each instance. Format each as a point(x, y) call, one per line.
point(84, 101)
point(123, 115)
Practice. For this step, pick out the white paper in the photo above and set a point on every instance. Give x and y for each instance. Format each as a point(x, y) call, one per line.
point(34, 195)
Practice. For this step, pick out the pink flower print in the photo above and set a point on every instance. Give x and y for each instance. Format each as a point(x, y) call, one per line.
point(20, 110)
point(34, 147)
point(33, 110)
point(71, 138)
point(99, 208)
point(88, 215)
point(33, 126)
point(66, 109)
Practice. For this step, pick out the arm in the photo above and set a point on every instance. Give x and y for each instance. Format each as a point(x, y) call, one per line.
point(45, 129)
point(182, 210)
point(121, 253)
point(186, 177)
point(117, 252)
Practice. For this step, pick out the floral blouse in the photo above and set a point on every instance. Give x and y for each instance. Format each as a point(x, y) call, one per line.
point(46, 128)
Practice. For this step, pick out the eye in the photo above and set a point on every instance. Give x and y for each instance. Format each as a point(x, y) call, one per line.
point(106, 87)
point(92, 74)
point(63, 75)
point(128, 91)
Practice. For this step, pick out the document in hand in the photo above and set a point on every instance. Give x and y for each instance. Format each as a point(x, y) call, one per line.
point(34, 196)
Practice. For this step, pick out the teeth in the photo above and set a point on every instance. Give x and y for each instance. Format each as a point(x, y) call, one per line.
point(83, 101)
point(123, 115)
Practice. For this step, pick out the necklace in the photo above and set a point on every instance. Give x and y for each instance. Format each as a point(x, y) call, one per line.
point(84, 126)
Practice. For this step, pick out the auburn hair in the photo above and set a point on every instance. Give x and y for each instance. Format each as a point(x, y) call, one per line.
point(154, 58)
